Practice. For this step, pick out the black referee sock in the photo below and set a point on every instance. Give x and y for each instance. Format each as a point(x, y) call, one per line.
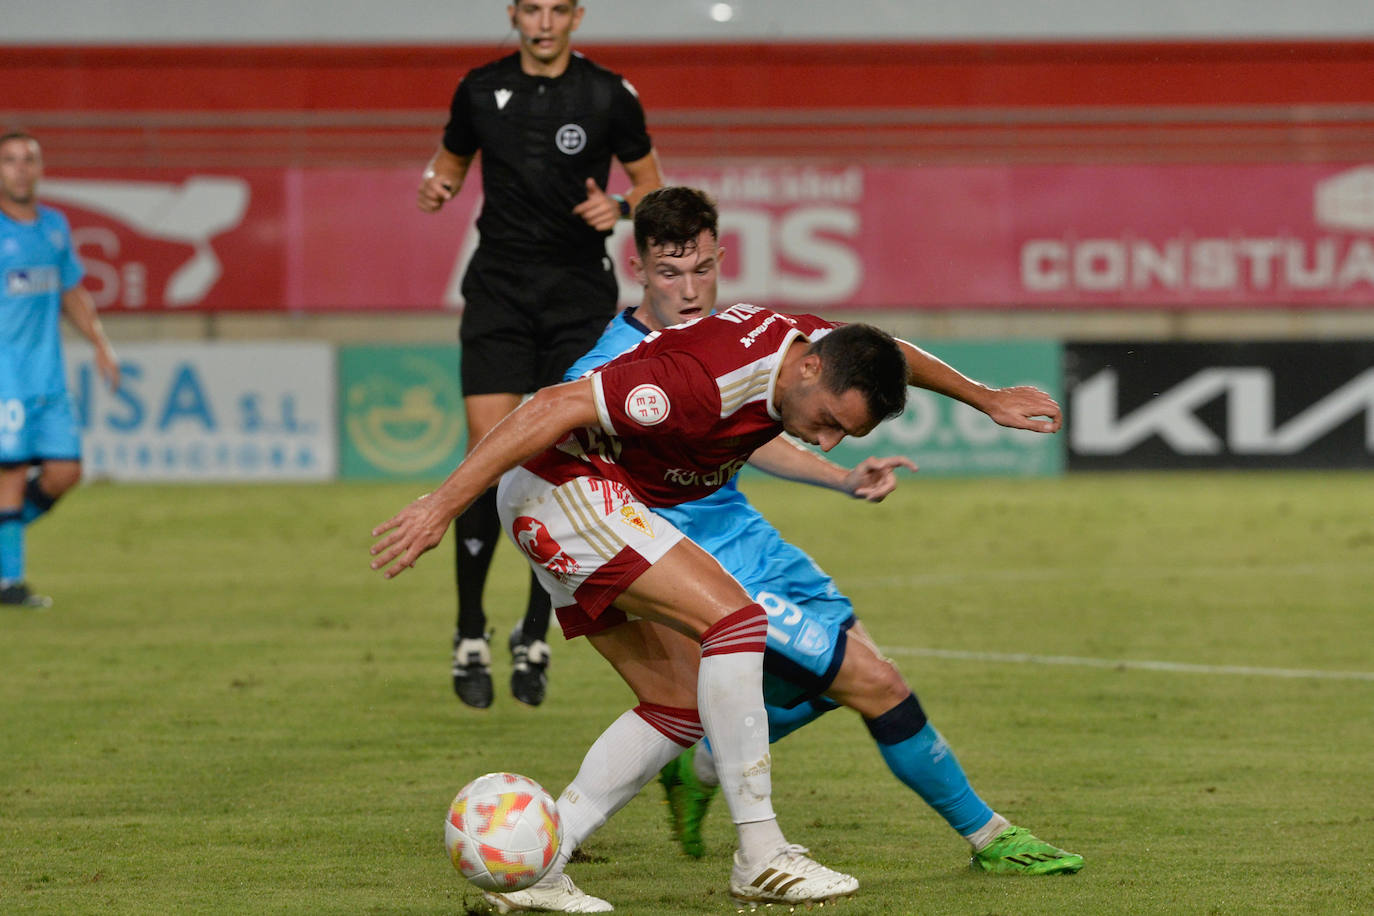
point(536, 623)
point(476, 532)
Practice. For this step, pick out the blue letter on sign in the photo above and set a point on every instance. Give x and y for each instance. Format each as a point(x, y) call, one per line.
point(186, 399)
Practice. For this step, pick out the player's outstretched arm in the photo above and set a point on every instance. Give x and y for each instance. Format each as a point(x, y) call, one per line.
point(873, 479)
point(1019, 407)
point(532, 427)
point(1024, 407)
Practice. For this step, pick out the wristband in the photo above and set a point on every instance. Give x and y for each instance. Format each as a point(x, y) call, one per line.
point(623, 204)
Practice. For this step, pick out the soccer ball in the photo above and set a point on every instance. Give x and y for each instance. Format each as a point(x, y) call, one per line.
point(502, 831)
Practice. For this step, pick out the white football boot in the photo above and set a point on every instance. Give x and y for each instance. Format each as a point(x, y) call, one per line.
point(789, 877)
point(549, 895)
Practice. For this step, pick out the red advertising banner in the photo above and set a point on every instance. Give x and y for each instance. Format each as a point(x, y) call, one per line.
point(1004, 236)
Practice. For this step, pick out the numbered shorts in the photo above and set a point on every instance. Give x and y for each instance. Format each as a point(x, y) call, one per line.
point(807, 639)
point(38, 429)
point(586, 539)
point(808, 617)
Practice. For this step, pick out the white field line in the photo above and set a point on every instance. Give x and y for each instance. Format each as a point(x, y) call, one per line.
point(1129, 664)
point(1045, 574)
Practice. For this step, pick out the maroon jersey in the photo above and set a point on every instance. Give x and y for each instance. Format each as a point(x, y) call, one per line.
point(683, 411)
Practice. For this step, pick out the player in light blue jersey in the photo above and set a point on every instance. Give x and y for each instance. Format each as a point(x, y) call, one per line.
point(818, 655)
point(40, 278)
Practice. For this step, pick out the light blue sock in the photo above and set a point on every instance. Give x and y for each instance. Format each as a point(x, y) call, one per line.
point(783, 722)
point(11, 546)
point(921, 759)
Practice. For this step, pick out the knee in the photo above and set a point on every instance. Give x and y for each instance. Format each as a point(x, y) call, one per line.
point(888, 682)
point(871, 686)
point(58, 479)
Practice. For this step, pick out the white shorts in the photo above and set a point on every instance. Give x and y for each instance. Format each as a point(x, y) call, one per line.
point(587, 540)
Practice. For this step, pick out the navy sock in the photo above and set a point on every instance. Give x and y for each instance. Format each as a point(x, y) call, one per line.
point(36, 502)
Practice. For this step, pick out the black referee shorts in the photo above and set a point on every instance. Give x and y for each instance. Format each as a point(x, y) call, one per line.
point(525, 323)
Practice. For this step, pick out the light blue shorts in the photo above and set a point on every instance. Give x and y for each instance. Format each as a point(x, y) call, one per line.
point(38, 429)
point(806, 645)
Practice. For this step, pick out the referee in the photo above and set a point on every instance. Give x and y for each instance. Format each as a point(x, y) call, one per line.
point(539, 289)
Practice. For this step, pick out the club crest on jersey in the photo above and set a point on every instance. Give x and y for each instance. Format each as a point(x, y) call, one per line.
point(636, 520)
point(502, 97)
point(571, 138)
point(647, 405)
point(32, 281)
point(536, 541)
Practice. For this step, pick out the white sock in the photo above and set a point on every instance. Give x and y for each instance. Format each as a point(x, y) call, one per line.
point(988, 832)
point(617, 765)
point(730, 700)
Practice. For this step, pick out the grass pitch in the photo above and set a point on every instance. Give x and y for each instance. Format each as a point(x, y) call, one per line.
point(1173, 674)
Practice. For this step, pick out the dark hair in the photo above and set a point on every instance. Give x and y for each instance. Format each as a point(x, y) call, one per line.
point(673, 217)
point(17, 135)
point(862, 357)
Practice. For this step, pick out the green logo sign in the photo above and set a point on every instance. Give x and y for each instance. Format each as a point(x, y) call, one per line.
point(401, 411)
point(946, 438)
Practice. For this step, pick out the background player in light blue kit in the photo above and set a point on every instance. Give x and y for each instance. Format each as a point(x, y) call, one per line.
point(41, 278)
point(818, 655)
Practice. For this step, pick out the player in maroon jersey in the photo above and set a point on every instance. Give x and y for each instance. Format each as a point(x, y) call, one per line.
point(666, 422)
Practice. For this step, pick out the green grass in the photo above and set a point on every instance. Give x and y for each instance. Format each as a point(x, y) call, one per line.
point(227, 712)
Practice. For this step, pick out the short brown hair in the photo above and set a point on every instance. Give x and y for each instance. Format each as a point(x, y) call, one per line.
point(867, 359)
point(673, 217)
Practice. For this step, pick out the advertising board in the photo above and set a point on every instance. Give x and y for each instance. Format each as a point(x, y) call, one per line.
point(798, 238)
point(400, 412)
point(1302, 404)
point(234, 411)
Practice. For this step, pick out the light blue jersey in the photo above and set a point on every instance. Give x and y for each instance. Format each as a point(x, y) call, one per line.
point(37, 264)
point(807, 615)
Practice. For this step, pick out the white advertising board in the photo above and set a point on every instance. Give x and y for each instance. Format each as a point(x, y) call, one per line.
point(189, 411)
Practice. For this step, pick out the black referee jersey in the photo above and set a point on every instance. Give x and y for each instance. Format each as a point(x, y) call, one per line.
point(540, 140)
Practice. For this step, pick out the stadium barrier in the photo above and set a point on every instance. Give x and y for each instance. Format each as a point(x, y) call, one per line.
point(241, 411)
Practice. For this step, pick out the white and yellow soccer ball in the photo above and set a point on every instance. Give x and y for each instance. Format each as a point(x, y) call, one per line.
point(502, 831)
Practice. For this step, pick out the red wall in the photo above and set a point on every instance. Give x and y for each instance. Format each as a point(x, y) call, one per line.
point(707, 76)
point(957, 103)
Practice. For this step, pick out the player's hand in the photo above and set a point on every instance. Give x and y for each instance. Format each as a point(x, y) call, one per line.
point(435, 191)
point(873, 478)
point(412, 531)
point(598, 210)
point(1024, 407)
point(108, 367)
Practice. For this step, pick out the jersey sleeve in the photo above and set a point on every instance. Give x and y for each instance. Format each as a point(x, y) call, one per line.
point(70, 265)
point(629, 133)
point(460, 136)
point(815, 327)
point(670, 393)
